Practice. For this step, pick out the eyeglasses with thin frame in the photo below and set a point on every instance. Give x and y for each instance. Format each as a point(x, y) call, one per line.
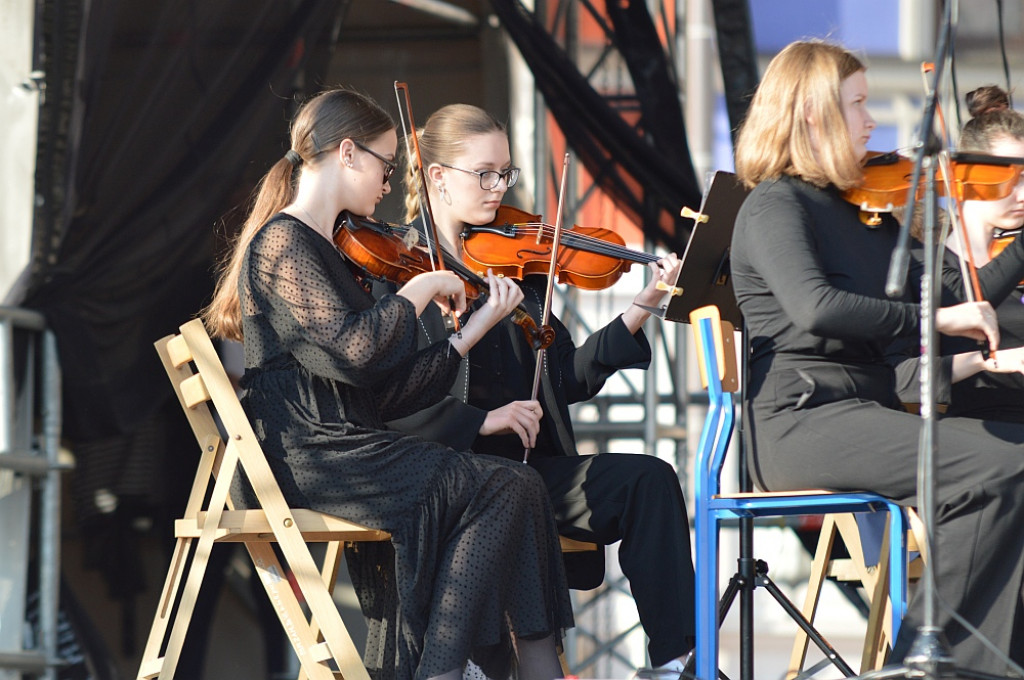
point(389, 166)
point(489, 179)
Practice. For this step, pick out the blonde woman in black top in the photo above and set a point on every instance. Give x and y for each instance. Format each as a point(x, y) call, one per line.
point(810, 281)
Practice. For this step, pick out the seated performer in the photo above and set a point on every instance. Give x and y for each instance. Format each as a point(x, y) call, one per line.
point(474, 554)
point(823, 411)
point(603, 498)
point(995, 130)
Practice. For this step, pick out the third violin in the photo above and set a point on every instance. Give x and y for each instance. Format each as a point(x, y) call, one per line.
point(886, 182)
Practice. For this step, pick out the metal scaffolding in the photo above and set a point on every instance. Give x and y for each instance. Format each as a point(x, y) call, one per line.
point(639, 412)
point(29, 494)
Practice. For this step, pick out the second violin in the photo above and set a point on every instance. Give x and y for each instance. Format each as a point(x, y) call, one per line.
point(518, 243)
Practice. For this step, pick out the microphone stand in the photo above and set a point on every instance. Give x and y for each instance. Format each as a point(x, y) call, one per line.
point(929, 657)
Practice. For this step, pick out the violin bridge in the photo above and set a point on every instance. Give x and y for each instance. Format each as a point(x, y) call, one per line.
point(411, 238)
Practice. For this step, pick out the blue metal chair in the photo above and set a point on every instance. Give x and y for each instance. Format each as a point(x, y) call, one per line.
point(716, 353)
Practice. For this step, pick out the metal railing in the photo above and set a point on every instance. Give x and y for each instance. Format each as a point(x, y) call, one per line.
point(30, 426)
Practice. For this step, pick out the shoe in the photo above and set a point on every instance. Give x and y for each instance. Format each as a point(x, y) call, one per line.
point(677, 669)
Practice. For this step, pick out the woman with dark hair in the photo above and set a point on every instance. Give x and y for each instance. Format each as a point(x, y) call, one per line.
point(474, 555)
point(994, 130)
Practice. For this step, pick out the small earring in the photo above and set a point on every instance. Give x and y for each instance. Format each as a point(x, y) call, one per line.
point(348, 162)
point(444, 194)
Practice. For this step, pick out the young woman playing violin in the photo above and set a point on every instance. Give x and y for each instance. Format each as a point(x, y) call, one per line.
point(474, 548)
point(823, 410)
point(600, 498)
point(995, 130)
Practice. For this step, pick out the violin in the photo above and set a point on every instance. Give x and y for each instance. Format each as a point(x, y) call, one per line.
point(1000, 240)
point(886, 183)
point(517, 244)
point(379, 250)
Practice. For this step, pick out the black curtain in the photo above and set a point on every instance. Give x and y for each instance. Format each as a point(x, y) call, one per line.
point(159, 118)
point(163, 121)
point(647, 169)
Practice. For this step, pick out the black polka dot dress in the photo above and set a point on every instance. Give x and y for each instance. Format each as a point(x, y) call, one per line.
point(474, 548)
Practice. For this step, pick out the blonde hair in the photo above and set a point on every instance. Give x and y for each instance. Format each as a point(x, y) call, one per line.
point(320, 125)
point(802, 81)
point(441, 140)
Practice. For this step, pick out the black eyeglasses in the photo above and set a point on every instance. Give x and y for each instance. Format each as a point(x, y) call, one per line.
point(489, 179)
point(389, 166)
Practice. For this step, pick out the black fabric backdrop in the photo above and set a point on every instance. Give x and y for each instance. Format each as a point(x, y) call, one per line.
point(171, 123)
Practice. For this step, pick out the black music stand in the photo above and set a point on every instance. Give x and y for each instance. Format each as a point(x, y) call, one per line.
point(705, 278)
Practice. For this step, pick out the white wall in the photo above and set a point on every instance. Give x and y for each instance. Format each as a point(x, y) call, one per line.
point(19, 104)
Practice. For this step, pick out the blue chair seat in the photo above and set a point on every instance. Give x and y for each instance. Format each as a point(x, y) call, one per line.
point(716, 353)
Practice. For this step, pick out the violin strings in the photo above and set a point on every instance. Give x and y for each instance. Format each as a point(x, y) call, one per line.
point(592, 243)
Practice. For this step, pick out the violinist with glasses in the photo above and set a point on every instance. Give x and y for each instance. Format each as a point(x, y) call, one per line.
point(601, 498)
point(474, 553)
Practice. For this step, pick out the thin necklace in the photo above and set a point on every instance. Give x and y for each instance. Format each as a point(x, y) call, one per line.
point(311, 218)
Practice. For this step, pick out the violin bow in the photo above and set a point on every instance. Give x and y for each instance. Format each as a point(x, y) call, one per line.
point(549, 291)
point(954, 193)
point(412, 151)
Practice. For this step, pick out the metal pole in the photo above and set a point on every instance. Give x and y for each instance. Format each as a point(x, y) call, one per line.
point(699, 104)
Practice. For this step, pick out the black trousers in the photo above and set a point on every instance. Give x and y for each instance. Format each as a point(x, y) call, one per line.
point(635, 499)
point(859, 444)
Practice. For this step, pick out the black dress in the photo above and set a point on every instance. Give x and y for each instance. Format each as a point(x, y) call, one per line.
point(601, 498)
point(475, 549)
point(824, 413)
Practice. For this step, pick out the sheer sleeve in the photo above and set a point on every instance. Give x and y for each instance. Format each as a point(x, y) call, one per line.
point(320, 313)
point(421, 382)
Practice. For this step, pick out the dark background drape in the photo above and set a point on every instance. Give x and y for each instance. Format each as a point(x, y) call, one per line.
point(166, 124)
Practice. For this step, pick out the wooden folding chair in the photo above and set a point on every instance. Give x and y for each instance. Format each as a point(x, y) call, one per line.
point(873, 580)
point(320, 639)
point(323, 645)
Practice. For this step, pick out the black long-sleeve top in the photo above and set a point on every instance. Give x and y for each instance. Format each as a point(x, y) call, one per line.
point(810, 279)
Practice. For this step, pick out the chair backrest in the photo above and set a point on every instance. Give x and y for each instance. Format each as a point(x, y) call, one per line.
point(200, 381)
point(714, 339)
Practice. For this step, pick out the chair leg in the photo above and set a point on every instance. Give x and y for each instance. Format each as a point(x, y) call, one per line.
point(164, 667)
point(152, 661)
point(819, 569)
point(286, 605)
point(332, 562)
